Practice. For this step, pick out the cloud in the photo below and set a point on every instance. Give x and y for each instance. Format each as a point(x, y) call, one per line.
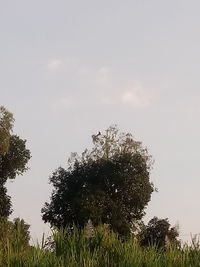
point(99, 76)
point(54, 64)
point(97, 86)
point(106, 101)
point(137, 97)
point(105, 70)
point(65, 103)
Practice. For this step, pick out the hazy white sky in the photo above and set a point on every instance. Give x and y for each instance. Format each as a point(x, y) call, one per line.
point(71, 68)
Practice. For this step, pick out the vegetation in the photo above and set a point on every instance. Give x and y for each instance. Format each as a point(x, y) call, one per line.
point(109, 184)
point(159, 233)
point(14, 236)
point(102, 249)
point(6, 125)
point(16, 231)
point(14, 157)
point(96, 209)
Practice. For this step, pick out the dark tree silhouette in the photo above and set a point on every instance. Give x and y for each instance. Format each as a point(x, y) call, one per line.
point(158, 232)
point(13, 160)
point(109, 184)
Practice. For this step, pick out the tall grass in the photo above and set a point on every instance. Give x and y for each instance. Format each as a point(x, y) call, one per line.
point(101, 249)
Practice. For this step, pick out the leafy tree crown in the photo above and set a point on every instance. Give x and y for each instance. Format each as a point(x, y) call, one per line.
point(14, 157)
point(107, 184)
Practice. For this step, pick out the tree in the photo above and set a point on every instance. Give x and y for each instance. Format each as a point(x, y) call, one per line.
point(6, 125)
point(108, 184)
point(159, 233)
point(14, 157)
point(5, 202)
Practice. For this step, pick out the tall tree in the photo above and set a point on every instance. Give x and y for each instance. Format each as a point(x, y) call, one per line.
point(107, 184)
point(14, 157)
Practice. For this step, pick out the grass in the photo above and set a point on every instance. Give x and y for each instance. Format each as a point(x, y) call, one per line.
point(101, 249)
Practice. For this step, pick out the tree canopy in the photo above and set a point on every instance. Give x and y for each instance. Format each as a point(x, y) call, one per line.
point(108, 184)
point(14, 157)
point(158, 232)
point(6, 125)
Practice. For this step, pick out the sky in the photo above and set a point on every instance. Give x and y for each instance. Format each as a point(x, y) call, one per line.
point(69, 69)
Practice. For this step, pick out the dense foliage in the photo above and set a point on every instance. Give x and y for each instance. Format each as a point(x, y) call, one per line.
point(102, 249)
point(109, 184)
point(14, 238)
point(14, 231)
point(6, 125)
point(14, 157)
point(158, 232)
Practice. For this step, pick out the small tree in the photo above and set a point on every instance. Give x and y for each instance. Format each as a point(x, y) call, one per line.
point(108, 184)
point(159, 233)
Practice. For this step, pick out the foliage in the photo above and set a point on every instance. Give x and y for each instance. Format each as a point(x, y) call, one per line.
point(5, 202)
point(159, 233)
point(103, 249)
point(13, 159)
point(6, 125)
point(109, 184)
point(16, 230)
point(14, 236)
point(110, 144)
point(14, 162)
